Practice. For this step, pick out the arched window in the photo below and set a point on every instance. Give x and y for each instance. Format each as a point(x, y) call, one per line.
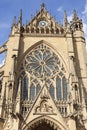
point(32, 92)
point(32, 30)
point(52, 31)
point(42, 30)
point(38, 87)
point(64, 85)
point(25, 88)
point(62, 31)
point(47, 30)
point(57, 31)
point(43, 64)
point(37, 30)
point(58, 89)
point(51, 90)
point(27, 30)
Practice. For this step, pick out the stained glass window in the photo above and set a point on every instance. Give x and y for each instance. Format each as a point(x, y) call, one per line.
point(51, 90)
point(58, 88)
point(25, 88)
point(38, 87)
point(43, 64)
point(64, 84)
point(32, 92)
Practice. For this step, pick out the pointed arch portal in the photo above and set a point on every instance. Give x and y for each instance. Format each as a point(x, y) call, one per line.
point(43, 124)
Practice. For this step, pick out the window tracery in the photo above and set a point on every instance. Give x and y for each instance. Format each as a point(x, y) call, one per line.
point(42, 62)
point(58, 89)
point(35, 87)
point(44, 67)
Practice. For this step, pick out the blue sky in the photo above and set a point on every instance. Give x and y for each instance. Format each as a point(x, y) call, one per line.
point(11, 8)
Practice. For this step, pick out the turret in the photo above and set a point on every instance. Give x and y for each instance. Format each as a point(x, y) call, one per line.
point(76, 23)
point(80, 55)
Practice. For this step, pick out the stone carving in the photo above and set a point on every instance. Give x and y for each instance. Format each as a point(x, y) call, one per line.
point(44, 94)
point(9, 123)
point(70, 97)
point(44, 108)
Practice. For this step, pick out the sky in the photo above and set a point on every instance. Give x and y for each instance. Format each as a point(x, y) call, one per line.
point(11, 8)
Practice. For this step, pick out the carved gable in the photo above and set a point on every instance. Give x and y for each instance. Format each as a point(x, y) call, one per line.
point(44, 106)
point(43, 23)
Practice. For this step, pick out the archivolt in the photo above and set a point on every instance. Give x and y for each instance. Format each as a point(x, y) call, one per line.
point(54, 125)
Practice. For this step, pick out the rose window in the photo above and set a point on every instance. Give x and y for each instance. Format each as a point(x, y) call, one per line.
point(42, 62)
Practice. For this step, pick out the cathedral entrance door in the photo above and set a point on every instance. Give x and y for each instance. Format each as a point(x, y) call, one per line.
point(43, 126)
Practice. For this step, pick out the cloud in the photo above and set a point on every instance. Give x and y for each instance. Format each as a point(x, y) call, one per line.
point(85, 10)
point(85, 30)
point(60, 9)
point(4, 25)
point(84, 18)
point(70, 17)
point(2, 62)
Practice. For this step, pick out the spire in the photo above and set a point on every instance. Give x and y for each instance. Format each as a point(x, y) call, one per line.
point(75, 17)
point(19, 24)
point(43, 6)
point(65, 19)
point(20, 18)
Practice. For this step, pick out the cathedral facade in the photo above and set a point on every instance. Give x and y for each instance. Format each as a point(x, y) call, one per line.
point(43, 82)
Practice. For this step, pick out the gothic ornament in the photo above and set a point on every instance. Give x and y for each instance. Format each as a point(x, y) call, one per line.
point(44, 108)
point(41, 62)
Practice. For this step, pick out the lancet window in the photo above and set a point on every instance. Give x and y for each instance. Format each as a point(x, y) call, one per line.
point(43, 68)
point(25, 88)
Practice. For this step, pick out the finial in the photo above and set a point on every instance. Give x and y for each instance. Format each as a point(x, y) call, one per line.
point(21, 13)
point(20, 18)
point(65, 19)
point(42, 6)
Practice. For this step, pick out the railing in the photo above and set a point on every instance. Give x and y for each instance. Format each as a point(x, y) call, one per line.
point(26, 105)
point(61, 105)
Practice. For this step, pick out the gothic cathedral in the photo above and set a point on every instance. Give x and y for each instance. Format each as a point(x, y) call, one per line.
point(43, 82)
